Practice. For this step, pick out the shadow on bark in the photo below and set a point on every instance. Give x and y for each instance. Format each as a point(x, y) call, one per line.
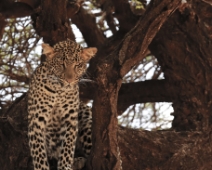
point(140, 149)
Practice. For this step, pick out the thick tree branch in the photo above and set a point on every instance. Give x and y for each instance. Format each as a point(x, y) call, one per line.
point(167, 150)
point(126, 18)
point(25, 8)
point(95, 37)
point(185, 57)
point(133, 47)
point(203, 11)
point(53, 26)
point(145, 91)
point(134, 93)
point(15, 9)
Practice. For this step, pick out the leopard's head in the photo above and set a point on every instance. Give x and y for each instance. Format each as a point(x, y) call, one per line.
point(68, 59)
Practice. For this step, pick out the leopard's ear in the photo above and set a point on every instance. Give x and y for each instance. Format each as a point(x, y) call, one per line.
point(88, 53)
point(48, 50)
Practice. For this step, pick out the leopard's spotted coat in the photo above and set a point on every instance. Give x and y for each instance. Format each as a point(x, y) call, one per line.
point(54, 107)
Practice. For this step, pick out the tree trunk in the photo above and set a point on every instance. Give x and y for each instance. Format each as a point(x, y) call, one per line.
point(179, 35)
point(185, 57)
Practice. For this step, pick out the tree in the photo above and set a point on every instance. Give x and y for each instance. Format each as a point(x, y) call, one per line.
point(177, 33)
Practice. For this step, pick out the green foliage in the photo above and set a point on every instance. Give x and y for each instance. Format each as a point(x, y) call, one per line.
point(138, 4)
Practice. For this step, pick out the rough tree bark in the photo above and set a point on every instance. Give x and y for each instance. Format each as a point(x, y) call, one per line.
point(185, 57)
point(110, 70)
point(179, 35)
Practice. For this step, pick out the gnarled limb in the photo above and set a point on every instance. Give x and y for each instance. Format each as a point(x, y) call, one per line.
point(185, 57)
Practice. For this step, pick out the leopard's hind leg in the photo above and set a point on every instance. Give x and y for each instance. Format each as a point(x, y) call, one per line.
point(84, 135)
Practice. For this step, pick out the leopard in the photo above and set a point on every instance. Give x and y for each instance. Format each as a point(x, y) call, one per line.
point(57, 119)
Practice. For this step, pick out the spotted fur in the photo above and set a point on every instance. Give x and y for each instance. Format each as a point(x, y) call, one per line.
point(54, 107)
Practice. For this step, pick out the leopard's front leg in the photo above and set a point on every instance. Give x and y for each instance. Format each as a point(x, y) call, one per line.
point(37, 147)
point(68, 136)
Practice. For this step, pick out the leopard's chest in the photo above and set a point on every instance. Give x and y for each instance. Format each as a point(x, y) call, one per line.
point(53, 105)
point(51, 101)
point(56, 128)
